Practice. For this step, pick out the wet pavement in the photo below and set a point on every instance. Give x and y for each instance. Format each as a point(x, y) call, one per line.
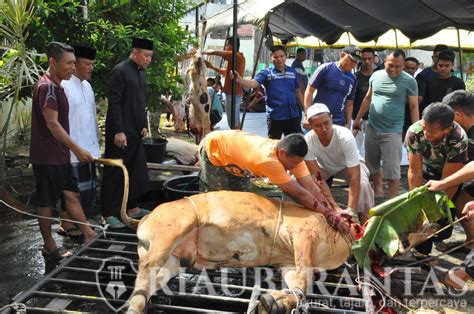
point(21, 264)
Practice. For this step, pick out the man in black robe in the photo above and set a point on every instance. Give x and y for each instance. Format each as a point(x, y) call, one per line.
point(125, 126)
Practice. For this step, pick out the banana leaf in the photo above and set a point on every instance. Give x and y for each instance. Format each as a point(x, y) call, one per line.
point(399, 216)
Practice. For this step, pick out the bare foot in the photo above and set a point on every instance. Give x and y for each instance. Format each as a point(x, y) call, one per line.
point(89, 236)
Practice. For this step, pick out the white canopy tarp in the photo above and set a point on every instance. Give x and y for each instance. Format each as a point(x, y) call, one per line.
point(391, 39)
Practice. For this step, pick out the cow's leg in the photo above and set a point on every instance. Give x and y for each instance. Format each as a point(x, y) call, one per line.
point(296, 280)
point(145, 287)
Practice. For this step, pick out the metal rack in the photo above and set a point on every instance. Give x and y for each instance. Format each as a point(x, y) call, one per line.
point(83, 283)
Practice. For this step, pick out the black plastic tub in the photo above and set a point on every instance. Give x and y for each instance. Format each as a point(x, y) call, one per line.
point(155, 149)
point(179, 187)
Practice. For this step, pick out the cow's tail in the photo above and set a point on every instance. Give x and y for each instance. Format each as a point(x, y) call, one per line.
point(130, 222)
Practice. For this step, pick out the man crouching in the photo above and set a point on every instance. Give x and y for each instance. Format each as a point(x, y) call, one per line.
point(230, 158)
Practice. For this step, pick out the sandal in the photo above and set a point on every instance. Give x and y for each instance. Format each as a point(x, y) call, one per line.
point(114, 223)
point(142, 212)
point(57, 254)
point(73, 232)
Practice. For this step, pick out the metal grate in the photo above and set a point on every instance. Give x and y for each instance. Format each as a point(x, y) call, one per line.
point(76, 283)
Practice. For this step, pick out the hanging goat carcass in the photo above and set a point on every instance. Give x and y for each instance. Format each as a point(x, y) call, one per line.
point(199, 111)
point(235, 229)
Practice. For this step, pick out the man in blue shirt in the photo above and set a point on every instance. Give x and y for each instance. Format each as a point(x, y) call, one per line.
point(281, 85)
point(335, 86)
point(388, 92)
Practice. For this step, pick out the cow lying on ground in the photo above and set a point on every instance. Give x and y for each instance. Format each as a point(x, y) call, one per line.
point(235, 229)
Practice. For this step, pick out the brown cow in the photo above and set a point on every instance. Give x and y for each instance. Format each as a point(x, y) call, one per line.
point(199, 111)
point(235, 229)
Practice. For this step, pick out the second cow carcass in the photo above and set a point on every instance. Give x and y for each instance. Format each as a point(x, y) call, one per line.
point(200, 108)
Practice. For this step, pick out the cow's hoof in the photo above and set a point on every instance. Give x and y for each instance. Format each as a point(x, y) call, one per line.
point(268, 304)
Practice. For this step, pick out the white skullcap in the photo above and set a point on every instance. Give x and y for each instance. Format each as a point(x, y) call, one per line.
point(315, 109)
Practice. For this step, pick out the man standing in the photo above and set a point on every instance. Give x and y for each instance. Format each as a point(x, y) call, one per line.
point(462, 103)
point(335, 86)
point(387, 94)
point(362, 86)
point(228, 159)
point(281, 86)
point(332, 151)
point(411, 65)
point(427, 74)
point(125, 126)
point(302, 77)
point(437, 147)
point(50, 148)
point(444, 83)
point(83, 127)
point(227, 89)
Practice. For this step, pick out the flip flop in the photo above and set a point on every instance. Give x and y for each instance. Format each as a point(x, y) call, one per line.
point(69, 232)
point(114, 223)
point(57, 254)
point(142, 212)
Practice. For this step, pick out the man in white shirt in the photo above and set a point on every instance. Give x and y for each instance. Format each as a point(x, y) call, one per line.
point(83, 128)
point(332, 151)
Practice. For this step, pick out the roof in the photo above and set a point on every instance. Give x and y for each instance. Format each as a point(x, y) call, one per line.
point(365, 19)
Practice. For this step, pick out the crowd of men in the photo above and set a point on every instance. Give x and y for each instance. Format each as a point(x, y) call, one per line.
point(341, 109)
point(381, 106)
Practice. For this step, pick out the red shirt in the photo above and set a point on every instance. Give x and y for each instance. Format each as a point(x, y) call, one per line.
point(45, 149)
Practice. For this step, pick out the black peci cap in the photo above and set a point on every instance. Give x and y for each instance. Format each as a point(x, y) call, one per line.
point(84, 52)
point(142, 43)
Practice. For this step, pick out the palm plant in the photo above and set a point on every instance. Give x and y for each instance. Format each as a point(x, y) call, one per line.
point(18, 69)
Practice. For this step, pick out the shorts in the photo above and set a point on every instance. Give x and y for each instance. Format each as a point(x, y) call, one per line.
point(385, 148)
point(51, 181)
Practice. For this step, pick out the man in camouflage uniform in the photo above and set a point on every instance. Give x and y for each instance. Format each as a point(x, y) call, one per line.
point(437, 148)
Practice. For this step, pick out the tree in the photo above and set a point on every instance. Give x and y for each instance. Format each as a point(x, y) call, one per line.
point(18, 69)
point(109, 27)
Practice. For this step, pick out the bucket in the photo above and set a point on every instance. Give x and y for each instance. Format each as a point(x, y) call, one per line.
point(179, 187)
point(155, 149)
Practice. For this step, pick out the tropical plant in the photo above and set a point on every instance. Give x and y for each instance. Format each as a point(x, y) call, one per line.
point(109, 26)
point(18, 69)
point(396, 217)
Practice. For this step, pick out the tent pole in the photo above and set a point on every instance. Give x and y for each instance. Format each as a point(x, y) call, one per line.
point(196, 30)
point(254, 70)
point(396, 38)
point(234, 59)
point(460, 54)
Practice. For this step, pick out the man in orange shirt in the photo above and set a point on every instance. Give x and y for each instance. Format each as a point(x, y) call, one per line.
point(227, 89)
point(230, 158)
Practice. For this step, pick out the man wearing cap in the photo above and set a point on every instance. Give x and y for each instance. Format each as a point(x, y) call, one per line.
point(230, 158)
point(332, 151)
point(125, 125)
point(335, 86)
point(83, 129)
point(387, 95)
point(282, 89)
